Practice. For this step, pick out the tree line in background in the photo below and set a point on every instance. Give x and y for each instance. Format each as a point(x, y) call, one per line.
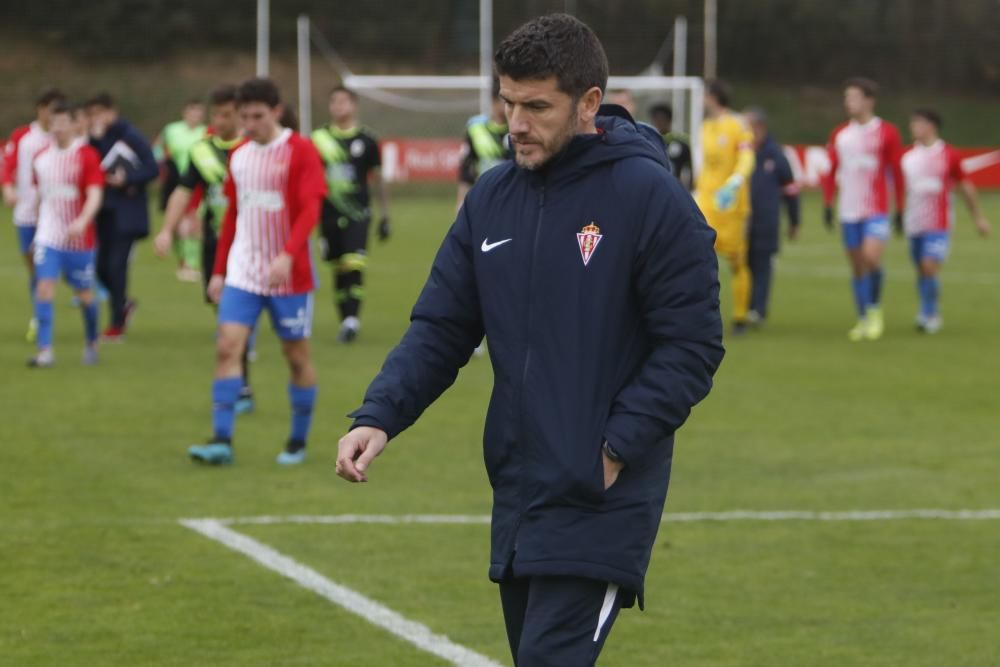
point(907, 44)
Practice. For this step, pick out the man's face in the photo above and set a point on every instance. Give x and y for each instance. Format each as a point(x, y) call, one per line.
point(856, 104)
point(99, 118)
point(260, 121)
point(44, 113)
point(661, 122)
point(759, 131)
point(343, 108)
point(80, 122)
point(62, 129)
point(541, 119)
point(194, 115)
point(225, 120)
point(922, 130)
point(623, 98)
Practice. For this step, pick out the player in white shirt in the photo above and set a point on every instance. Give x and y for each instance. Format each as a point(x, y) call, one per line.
point(18, 186)
point(931, 170)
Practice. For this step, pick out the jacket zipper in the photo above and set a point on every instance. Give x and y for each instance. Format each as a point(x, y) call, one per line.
point(527, 352)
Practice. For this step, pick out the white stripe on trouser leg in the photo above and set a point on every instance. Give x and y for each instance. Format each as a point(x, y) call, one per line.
point(609, 604)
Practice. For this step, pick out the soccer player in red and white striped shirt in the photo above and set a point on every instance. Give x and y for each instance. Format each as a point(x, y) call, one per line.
point(18, 186)
point(70, 186)
point(275, 186)
point(863, 153)
point(931, 169)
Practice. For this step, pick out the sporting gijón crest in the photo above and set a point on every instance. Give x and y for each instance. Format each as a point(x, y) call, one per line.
point(588, 239)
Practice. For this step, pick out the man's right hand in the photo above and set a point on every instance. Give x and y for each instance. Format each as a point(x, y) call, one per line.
point(162, 243)
point(9, 195)
point(357, 450)
point(828, 218)
point(214, 289)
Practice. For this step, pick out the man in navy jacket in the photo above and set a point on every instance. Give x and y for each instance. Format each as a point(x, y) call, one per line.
point(128, 162)
point(592, 274)
point(772, 182)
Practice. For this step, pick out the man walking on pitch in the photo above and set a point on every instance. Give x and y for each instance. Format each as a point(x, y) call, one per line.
point(592, 273)
point(173, 150)
point(484, 147)
point(274, 188)
point(353, 163)
point(19, 190)
point(205, 173)
point(863, 152)
point(772, 182)
point(931, 168)
point(678, 147)
point(129, 166)
point(70, 184)
point(723, 194)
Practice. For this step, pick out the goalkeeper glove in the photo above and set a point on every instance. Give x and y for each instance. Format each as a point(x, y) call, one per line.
point(897, 223)
point(384, 229)
point(828, 218)
point(725, 196)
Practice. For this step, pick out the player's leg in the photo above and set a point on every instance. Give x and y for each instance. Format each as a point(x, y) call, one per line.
point(875, 232)
point(934, 251)
point(238, 312)
point(567, 621)
point(761, 267)
point(860, 278)
point(351, 265)
point(47, 267)
point(291, 317)
point(731, 244)
point(25, 239)
point(79, 273)
point(514, 603)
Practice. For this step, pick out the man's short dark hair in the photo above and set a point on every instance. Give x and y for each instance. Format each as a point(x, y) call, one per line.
point(260, 90)
point(102, 99)
point(930, 115)
point(50, 96)
point(867, 87)
point(344, 89)
point(224, 94)
point(720, 91)
point(193, 102)
point(662, 109)
point(556, 45)
point(62, 107)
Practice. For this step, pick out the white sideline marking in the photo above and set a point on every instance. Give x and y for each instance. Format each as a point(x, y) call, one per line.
point(688, 517)
point(415, 633)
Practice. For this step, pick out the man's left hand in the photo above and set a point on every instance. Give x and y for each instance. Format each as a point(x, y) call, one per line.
point(116, 178)
point(611, 470)
point(281, 269)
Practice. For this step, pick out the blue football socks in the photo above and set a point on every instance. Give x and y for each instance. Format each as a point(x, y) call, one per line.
point(302, 400)
point(225, 391)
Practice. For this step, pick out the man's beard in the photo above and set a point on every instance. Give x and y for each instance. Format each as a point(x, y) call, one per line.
point(550, 149)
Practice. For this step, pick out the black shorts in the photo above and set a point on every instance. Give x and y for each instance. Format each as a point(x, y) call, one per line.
point(341, 235)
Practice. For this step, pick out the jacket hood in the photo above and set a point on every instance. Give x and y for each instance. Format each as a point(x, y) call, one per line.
point(618, 137)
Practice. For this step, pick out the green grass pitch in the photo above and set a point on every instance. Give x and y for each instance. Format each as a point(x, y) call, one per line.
point(96, 570)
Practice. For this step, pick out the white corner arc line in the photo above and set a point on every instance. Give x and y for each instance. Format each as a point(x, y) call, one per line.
point(678, 517)
point(415, 633)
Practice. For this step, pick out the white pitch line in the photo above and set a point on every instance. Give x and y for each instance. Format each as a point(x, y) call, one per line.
point(415, 633)
point(685, 517)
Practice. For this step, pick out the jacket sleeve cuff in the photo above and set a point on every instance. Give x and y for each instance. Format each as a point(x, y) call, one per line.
point(626, 440)
point(374, 416)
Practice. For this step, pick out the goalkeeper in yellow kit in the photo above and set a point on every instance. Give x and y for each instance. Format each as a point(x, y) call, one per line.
point(722, 191)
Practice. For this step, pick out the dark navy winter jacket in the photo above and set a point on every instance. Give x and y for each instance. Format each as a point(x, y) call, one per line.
point(124, 146)
point(618, 348)
point(769, 184)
